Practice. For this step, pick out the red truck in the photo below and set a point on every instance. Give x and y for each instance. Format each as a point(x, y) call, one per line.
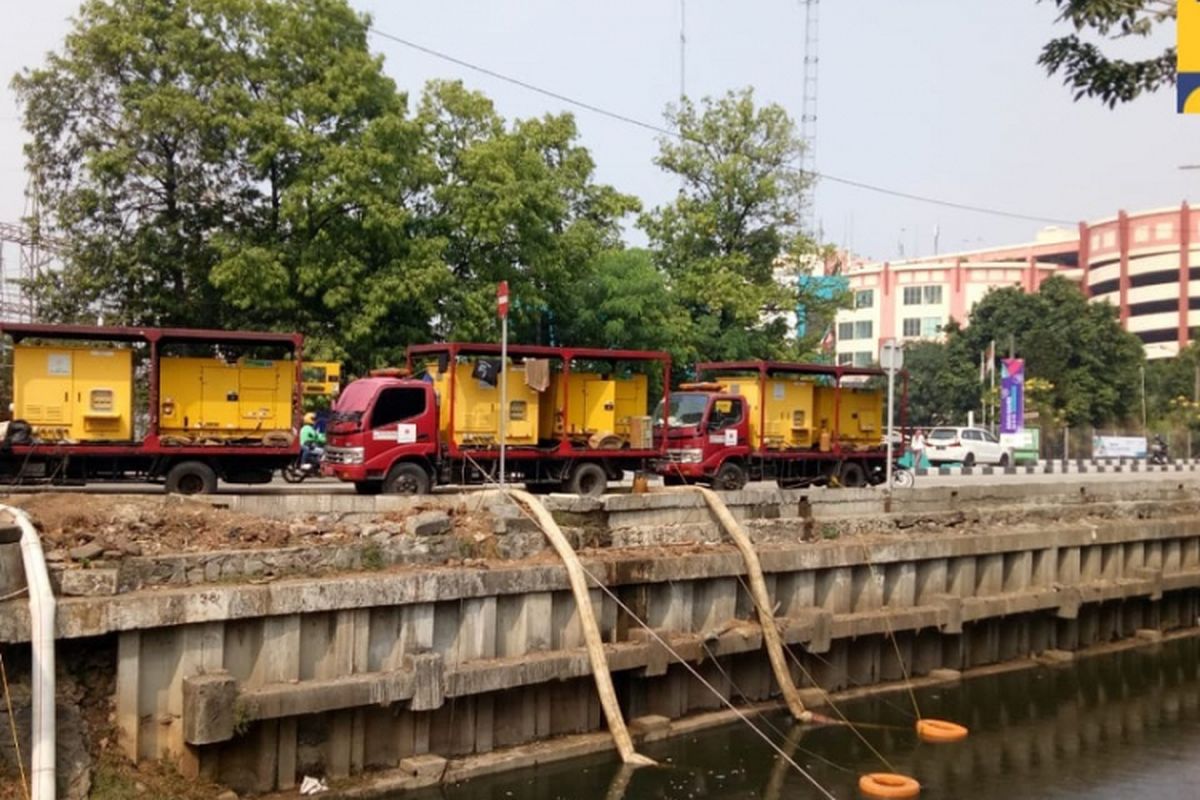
point(89, 404)
point(576, 419)
point(761, 420)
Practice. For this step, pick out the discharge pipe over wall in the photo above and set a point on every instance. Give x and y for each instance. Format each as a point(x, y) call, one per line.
point(41, 640)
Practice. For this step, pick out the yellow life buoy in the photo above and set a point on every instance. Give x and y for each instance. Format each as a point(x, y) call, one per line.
point(939, 730)
point(888, 784)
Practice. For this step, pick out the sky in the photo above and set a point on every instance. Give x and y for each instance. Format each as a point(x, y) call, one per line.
point(938, 98)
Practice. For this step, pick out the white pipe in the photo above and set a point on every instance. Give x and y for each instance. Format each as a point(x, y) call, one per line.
point(41, 642)
point(591, 632)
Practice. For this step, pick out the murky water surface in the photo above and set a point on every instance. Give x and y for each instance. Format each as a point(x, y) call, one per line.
point(1125, 725)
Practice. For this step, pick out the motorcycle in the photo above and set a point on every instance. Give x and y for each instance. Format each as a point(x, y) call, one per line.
point(902, 477)
point(299, 469)
point(1158, 452)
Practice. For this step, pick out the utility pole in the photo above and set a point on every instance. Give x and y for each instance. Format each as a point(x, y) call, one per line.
point(502, 311)
point(682, 51)
point(808, 108)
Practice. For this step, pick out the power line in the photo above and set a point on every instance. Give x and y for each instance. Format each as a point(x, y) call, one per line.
point(604, 112)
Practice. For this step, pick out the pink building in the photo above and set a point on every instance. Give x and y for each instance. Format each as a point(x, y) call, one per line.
point(1141, 263)
point(915, 298)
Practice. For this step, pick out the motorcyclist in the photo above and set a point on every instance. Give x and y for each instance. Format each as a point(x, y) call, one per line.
point(1158, 453)
point(312, 441)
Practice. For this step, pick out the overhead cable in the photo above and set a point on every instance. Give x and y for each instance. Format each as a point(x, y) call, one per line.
point(595, 109)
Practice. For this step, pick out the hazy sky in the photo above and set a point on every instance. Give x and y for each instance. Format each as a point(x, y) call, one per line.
point(941, 98)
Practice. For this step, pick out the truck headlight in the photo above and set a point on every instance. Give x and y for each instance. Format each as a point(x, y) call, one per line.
point(689, 455)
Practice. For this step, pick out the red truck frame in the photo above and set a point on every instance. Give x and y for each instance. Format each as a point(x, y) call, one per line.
point(186, 469)
point(357, 452)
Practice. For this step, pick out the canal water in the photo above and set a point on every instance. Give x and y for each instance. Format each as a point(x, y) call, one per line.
point(1123, 725)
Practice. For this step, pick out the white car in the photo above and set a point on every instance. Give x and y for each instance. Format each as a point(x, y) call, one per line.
point(966, 446)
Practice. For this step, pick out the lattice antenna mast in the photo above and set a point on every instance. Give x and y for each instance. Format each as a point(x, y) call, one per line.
point(808, 107)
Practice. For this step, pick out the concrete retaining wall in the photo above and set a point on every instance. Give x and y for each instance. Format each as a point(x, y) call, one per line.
point(393, 672)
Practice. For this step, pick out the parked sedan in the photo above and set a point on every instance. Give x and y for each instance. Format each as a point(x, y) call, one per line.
point(966, 446)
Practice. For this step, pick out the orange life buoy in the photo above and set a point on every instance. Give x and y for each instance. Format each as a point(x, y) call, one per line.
point(888, 784)
point(939, 730)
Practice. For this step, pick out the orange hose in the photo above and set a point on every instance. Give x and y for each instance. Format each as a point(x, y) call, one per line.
point(888, 784)
point(939, 730)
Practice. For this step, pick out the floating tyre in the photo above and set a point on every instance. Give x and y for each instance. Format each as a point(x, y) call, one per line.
point(939, 730)
point(888, 784)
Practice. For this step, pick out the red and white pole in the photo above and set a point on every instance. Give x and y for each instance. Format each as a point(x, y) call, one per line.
point(502, 311)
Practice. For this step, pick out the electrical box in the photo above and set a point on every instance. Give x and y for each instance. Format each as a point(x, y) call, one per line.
point(595, 404)
point(74, 393)
point(210, 397)
point(859, 420)
point(476, 405)
point(786, 422)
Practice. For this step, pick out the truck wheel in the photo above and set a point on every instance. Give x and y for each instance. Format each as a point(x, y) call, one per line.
point(852, 475)
point(588, 480)
point(407, 478)
point(729, 478)
point(191, 477)
point(368, 487)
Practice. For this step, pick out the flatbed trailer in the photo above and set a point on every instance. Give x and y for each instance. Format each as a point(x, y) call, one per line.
point(183, 467)
point(426, 444)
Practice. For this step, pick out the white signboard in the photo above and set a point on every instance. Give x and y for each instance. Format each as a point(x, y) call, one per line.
point(1118, 447)
point(1021, 440)
point(731, 437)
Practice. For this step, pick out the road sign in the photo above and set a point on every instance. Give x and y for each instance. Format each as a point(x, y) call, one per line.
point(502, 300)
point(891, 355)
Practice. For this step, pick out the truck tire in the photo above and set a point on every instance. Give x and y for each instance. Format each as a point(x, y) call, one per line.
point(191, 477)
point(730, 477)
point(588, 480)
point(406, 478)
point(852, 475)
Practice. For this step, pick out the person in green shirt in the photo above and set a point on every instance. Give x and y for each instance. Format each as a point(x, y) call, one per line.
point(312, 441)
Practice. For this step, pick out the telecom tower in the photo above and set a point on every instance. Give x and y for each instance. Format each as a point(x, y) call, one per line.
point(35, 256)
point(808, 108)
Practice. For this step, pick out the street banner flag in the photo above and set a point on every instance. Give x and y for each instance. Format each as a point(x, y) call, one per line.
point(1012, 395)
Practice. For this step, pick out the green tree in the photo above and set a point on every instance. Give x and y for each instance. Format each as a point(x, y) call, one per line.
point(1078, 346)
point(624, 303)
point(230, 162)
point(517, 203)
point(943, 380)
point(1089, 70)
point(731, 244)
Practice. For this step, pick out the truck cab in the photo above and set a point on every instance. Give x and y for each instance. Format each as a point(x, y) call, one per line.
point(383, 436)
point(707, 437)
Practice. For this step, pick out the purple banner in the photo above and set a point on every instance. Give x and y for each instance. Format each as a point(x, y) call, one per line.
point(1012, 395)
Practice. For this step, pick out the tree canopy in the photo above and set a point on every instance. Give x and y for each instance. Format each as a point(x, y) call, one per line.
point(247, 163)
point(731, 244)
point(1089, 69)
point(1089, 366)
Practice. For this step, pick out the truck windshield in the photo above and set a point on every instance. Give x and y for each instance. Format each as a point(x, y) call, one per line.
point(687, 409)
point(353, 402)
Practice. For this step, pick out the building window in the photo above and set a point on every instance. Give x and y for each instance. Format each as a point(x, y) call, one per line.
point(933, 295)
point(862, 359)
point(864, 299)
point(863, 329)
point(845, 359)
point(912, 295)
point(845, 331)
point(931, 326)
point(912, 326)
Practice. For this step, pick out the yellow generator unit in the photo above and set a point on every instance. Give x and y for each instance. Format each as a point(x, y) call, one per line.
point(209, 397)
point(859, 418)
point(595, 405)
point(477, 408)
point(321, 378)
point(787, 420)
point(74, 393)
